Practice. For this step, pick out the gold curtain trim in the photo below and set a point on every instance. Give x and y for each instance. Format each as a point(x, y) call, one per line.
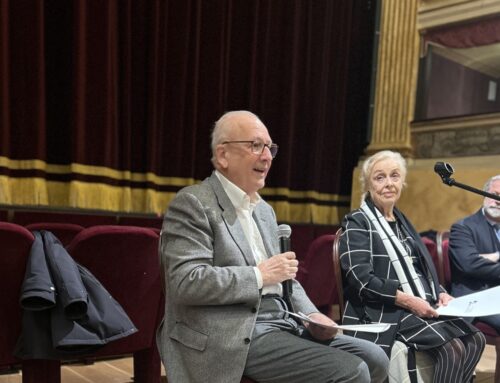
point(310, 194)
point(102, 171)
point(102, 196)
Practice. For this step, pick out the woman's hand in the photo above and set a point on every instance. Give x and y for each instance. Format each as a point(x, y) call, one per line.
point(444, 299)
point(415, 305)
point(319, 332)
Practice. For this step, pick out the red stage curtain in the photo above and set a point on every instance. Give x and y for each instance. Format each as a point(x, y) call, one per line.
point(110, 104)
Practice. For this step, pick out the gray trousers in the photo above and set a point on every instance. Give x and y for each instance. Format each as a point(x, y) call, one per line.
point(281, 350)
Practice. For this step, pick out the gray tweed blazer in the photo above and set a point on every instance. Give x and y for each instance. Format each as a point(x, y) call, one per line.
point(212, 296)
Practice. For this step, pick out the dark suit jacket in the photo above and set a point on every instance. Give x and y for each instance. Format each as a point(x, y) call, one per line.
point(470, 272)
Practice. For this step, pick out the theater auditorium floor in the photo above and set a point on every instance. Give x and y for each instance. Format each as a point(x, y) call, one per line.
point(121, 370)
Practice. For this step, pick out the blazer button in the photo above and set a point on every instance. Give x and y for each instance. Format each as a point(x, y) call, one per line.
point(247, 340)
point(254, 310)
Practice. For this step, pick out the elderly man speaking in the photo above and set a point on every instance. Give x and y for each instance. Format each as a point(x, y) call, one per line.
point(225, 312)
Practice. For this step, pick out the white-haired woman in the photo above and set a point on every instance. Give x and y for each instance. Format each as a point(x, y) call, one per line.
point(389, 277)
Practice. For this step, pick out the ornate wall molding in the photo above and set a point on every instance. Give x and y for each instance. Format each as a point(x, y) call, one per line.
point(435, 13)
point(457, 137)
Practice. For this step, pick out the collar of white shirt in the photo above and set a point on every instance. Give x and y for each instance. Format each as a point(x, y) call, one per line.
point(238, 197)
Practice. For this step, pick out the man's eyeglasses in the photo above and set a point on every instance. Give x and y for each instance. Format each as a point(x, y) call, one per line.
point(257, 147)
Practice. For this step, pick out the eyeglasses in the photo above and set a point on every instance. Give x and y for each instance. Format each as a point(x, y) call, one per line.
point(257, 147)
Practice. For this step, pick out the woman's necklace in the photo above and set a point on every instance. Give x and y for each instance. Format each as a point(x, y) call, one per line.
point(399, 234)
point(403, 239)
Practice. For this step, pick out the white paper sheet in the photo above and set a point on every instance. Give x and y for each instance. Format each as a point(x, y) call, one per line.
point(371, 327)
point(478, 304)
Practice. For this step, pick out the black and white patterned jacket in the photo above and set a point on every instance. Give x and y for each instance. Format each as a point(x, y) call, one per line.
point(370, 281)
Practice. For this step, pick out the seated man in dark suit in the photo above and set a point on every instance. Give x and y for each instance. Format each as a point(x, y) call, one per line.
point(475, 250)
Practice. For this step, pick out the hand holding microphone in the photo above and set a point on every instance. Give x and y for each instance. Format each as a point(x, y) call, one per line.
point(280, 267)
point(284, 232)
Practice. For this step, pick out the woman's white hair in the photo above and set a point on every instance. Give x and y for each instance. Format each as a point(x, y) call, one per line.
point(222, 127)
point(370, 162)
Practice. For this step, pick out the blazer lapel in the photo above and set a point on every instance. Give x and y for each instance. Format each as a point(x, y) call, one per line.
point(488, 235)
point(231, 220)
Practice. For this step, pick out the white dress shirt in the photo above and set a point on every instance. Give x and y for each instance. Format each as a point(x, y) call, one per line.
point(244, 206)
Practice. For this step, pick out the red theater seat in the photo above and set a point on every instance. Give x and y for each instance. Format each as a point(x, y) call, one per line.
point(155, 222)
point(65, 232)
point(16, 243)
point(302, 236)
point(337, 272)
point(84, 219)
point(433, 251)
point(125, 260)
point(318, 278)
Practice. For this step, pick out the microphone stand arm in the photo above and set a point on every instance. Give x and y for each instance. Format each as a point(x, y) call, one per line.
point(451, 182)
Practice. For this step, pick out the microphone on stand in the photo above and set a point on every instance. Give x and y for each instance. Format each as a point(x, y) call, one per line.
point(445, 170)
point(284, 233)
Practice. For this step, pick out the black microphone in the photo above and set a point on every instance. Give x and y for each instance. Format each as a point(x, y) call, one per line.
point(284, 233)
point(445, 170)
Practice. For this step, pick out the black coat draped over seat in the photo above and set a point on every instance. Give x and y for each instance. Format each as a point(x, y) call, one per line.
point(66, 310)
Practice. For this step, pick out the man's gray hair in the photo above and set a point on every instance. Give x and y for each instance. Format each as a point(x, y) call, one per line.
point(222, 127)
point(490, 181)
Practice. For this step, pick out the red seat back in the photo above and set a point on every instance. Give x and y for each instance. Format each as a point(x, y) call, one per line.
point(148, 221)
point(125, 260)
point(65, 232)
point(432, 248)
point(337, 271)
point(15, 243)
point(319, 279)
point(25, 217)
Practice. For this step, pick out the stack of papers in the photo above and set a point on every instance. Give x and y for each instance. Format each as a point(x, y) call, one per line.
point(371, 327)
point(482, 303)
